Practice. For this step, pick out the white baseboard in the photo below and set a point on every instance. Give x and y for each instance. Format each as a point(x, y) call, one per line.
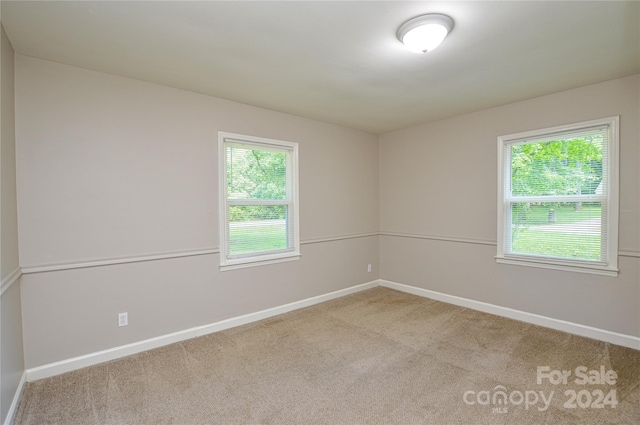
point(91, 359)
point(548, 322)
point(8, 420)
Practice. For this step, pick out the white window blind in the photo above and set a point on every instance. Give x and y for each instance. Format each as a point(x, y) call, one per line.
point(259, 209)
point(558, 196)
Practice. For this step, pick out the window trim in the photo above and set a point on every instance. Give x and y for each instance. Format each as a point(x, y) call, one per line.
point(252, 260)
point(609, 266)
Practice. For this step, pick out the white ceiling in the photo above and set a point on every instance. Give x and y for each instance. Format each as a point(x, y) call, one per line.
point(339, 61)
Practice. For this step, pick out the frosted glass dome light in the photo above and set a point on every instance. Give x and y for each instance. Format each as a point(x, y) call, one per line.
point(424, 33)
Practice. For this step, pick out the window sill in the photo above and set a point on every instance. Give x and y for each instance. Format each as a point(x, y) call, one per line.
point(563, 266)
point(255, 262)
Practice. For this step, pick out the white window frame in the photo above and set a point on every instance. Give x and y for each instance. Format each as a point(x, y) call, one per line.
point(609, 265)
point(250, 260)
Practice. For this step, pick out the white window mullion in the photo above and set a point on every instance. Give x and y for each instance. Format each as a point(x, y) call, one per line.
point(258, 202)
point(566, 199)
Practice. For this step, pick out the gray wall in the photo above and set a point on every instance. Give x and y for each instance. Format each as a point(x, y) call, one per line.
point(438, 185)
point(114, 168)
point(11, 355)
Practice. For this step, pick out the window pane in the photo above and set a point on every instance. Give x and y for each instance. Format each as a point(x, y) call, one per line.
point(258, 228)
point(565, 230)
point(571, 166)
point(253, 173)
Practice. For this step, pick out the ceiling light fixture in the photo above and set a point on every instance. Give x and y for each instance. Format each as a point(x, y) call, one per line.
point(424, 33)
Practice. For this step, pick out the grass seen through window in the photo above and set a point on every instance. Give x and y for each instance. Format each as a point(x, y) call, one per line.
point(566, 231)
point(257, 236)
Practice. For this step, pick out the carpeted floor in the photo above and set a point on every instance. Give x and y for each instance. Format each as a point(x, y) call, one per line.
point(376, 357)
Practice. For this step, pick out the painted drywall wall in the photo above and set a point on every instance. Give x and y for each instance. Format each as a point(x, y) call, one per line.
point(9, 211)
point(11, 354)
point(110, 167)
point(113, 168)
point(439, 180)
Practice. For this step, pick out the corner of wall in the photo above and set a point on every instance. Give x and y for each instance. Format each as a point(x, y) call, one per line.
point(12, 370)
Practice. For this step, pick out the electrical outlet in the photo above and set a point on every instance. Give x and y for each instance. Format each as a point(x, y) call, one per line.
point(123, 319)
point(369, 268)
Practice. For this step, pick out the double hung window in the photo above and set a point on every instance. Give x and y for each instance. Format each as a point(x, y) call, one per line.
point(258, 201)
point(558, 197)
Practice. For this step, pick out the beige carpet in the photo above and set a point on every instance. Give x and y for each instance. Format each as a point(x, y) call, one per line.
point(376, 357)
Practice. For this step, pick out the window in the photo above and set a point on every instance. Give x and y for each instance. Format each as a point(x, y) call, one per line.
point(258, 201)
point(558, 197)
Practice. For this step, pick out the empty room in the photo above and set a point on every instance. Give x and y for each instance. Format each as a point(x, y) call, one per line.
point(320, 212)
